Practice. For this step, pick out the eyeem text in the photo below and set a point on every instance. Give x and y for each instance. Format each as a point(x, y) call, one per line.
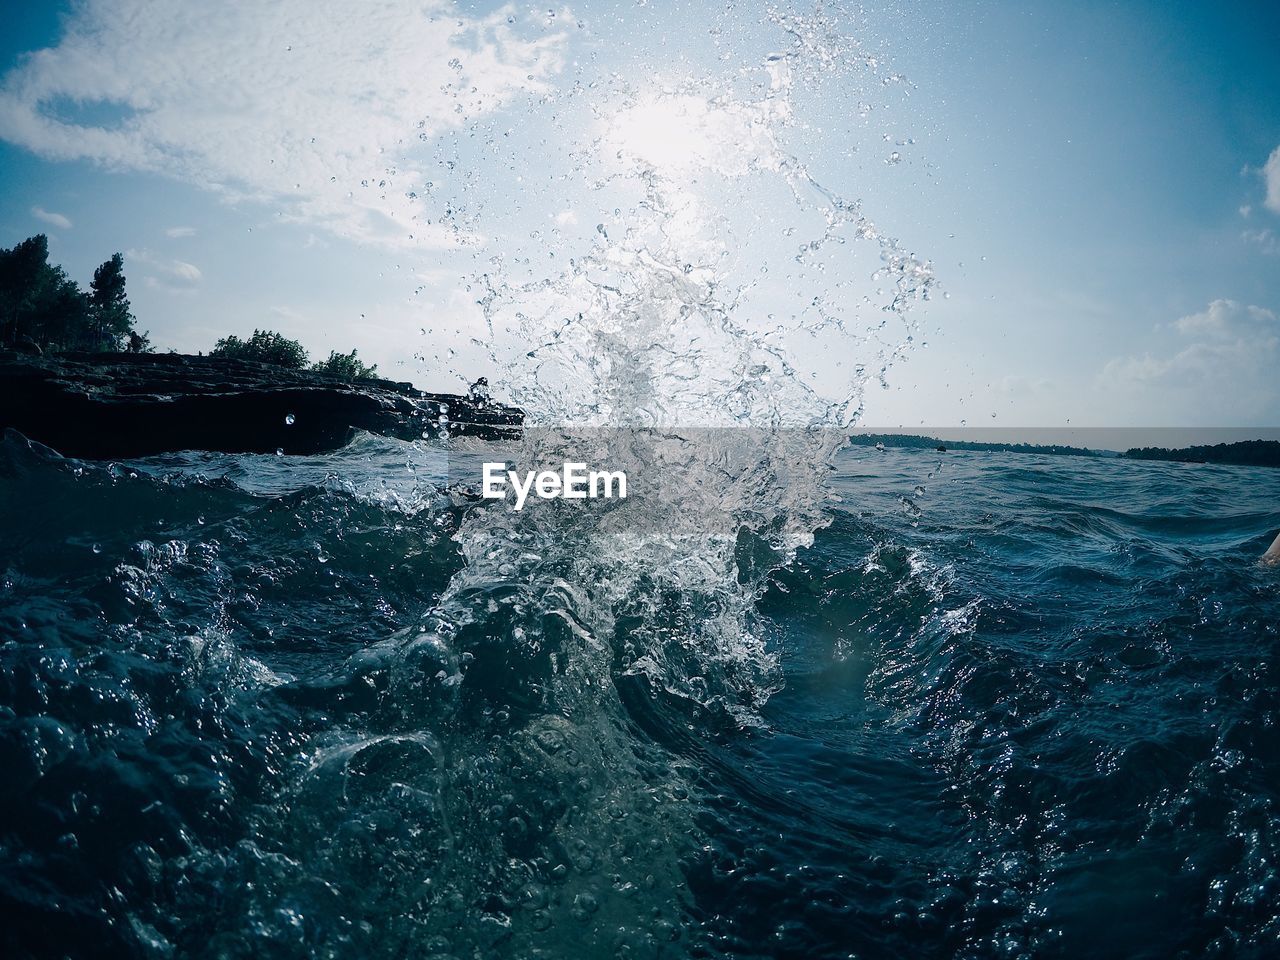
point(573, 482)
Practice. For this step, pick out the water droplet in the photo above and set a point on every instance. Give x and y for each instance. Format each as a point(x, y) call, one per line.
point(288, 419)
point(279, 451)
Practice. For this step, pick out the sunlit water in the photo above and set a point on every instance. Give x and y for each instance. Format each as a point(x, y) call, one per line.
point(1017, 706)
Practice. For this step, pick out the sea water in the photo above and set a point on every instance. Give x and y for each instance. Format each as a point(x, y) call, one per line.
point(786, 699)
point(251, 712)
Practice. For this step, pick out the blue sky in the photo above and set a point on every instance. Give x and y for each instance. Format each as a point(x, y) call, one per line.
point(1090, 181)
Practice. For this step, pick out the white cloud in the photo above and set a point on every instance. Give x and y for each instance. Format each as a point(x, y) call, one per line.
point(165, 274)
point(1271, 176)
point(58, 220)
point(179, 232)
point(1266, 240)
point(1197, 368)
point(314, 105)
point(1223, 366)
point(1230, 320)
point(187, 272)
point(1022, 386)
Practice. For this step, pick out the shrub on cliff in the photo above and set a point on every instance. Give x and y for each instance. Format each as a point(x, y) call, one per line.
point(265, 346)
point(346, 365)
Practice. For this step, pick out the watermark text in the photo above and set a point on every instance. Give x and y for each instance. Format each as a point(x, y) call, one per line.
point(573, 482)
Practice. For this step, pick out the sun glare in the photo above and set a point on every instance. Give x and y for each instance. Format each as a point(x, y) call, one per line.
point(677, 135)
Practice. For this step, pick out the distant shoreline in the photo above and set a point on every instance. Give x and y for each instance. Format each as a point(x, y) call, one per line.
point(1243, 453)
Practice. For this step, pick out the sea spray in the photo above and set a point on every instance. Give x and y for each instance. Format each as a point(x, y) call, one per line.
point(721, 375)
point(668, 346)
point(515, 770)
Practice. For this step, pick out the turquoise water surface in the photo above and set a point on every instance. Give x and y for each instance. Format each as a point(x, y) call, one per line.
point(1004, 705)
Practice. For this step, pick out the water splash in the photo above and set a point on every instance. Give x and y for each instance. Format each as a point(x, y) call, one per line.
point(710, 330)
point(683, 309)
point(713, 336)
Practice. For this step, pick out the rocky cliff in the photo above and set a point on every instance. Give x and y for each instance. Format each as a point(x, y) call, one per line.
point(108, 406)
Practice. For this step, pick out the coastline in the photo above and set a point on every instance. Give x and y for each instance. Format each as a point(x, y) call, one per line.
point(119, 405)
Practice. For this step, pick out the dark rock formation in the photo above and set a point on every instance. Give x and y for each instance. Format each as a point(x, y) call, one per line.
point(119, 405)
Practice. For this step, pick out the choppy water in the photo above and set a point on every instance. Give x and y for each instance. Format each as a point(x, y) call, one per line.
point(335, 707)
point(257, 706)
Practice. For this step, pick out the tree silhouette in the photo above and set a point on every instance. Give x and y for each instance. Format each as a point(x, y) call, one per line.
point(108, 304)
point(265, 346)
point(41, 308)
point(24, 272)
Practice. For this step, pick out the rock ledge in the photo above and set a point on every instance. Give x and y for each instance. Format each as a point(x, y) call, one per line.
point(120, 405)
